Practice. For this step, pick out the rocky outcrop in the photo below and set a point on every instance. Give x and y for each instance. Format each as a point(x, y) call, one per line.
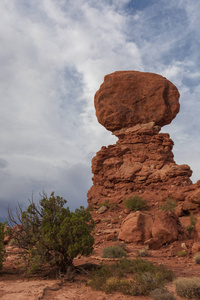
point(134, 106)
point(128, 98)
point(151, 230)
point(141, 160)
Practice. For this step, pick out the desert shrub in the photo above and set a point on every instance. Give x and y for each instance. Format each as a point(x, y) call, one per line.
point(181, 253)
point(197, 258)
point(52, 234)
point(117, 277)
point(169, 205)
point(106, 204)
point(188, 288)
point(144, 252)
point(113, 252)
point(2, 247)
point(192, 223)
point(162, 294)
point(135, 203)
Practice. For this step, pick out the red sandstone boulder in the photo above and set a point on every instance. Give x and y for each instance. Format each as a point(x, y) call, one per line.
point(127, 98)
point(154, 231)
point(136, 228)
point(196, 247)
point(197, 226)
point(194, 196)
point(166, 228)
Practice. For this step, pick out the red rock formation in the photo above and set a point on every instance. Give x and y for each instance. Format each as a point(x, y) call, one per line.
point(140, 161)
point(129, 97)
point(151, 230)
point(134, 105)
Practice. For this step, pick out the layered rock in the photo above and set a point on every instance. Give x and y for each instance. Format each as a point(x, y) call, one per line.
point(141, 160)
point(134, 106)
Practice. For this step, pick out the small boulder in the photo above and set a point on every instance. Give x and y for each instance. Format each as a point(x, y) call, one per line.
point(196, 247)
point(136, 228)
point(166, 228)
point(102, 209)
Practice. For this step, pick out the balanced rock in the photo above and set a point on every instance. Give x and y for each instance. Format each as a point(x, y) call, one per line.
point(134, 106)
point(127, 98)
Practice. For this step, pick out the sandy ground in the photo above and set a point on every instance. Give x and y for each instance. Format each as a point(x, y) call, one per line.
point(14, 287)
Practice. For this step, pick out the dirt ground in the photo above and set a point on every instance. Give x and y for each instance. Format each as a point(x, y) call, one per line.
point(14, 287)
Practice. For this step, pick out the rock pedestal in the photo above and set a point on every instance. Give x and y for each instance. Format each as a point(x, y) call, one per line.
point(134, 106)
point(141, 160)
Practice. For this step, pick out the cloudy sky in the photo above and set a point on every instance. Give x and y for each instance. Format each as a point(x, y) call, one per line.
point(53, 57)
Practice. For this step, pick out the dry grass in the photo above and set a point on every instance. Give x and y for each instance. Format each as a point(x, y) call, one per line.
point(188, 288)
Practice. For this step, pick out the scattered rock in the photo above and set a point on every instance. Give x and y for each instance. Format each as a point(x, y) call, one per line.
point(197, 226)
point(183, 246)
point(196, 247)
point(102, 209)
point(111, 236)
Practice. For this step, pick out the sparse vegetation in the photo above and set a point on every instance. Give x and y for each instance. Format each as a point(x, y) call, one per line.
point(113, 252)
point(188, 288)
point(114, 206)
point(106, 204)
point(162, 294)
point(130, 277)
point(2, 247)
point(181, 253)
point(169, 205)
point(192, 223)
point(135, 203)
point(52, 234)
point(144, 252)
point(197, 258)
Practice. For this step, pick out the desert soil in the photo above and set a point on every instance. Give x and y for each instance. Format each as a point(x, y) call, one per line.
point(14, 287)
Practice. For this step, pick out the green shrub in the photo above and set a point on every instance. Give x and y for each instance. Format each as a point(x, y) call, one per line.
point(116, 277)
point(106, 204)
point(192, 223)
point(146, 282)
point(52, 234)
point(135, 203)
point(162, 294)
point(181, 253)
point(169, 205)
point(188, 288)
point(113, 252)
point(197, 258)
point(2, 246)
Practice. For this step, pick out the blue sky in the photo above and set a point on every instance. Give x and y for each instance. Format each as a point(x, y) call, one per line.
point(54, 55)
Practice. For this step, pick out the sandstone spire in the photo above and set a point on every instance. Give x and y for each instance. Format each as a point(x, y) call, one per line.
point(134, 105)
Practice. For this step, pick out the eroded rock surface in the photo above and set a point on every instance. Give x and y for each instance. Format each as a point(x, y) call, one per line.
point(134, 106)
point(152, 230)
point(140, 161)
point(127, 98)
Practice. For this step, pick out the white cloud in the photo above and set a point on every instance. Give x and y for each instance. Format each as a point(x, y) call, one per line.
point(54, 55)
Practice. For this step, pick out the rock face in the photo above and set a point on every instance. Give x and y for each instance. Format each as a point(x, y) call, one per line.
point(140, 161)
point(152, 230)
point(134, 106)
point(128, 98)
